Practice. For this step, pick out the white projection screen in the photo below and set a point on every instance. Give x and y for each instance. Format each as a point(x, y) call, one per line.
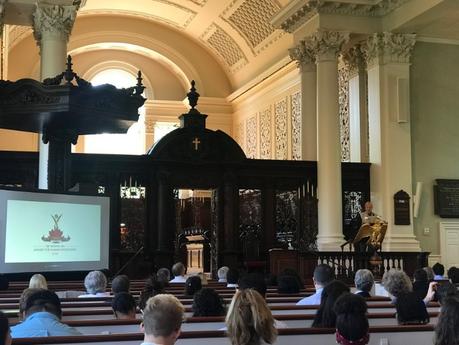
point(45, 232)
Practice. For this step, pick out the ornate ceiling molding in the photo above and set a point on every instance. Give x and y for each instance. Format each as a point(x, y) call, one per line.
point(354, 59)
point(293, 16)
point(326, 45)
point(53, 20)
point(387, 47)
point(303, 55)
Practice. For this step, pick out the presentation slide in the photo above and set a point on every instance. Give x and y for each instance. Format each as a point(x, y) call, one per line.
point(53, 232)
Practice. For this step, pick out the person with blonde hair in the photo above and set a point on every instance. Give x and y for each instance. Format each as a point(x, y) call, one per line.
point(38, 281)
point(162, 320)
point(249, 320)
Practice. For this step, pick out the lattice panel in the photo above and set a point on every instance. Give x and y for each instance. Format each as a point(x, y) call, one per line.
point(252, 20)
point(265, 134)
point(225, 46)
point(296, 125)
point(343, 84)
point(251, 137)
point(240, 134)
point(280, 113)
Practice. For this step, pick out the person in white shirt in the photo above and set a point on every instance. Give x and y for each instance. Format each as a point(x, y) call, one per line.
point(178, 270)
point(96, 284)
point(162, 320)
point(323, 274)
point(232, 278)
point(221, 273)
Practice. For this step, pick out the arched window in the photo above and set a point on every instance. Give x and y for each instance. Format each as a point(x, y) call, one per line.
point(133, 142)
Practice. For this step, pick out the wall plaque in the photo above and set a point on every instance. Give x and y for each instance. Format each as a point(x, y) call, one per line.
point(446, 198)
point(401, 208)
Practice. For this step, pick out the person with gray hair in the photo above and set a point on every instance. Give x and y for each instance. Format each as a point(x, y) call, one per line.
point(221, 273)
point(178, 270)
point(364, 281)
point(163, 275)
point(396, 282)
point(95, 284)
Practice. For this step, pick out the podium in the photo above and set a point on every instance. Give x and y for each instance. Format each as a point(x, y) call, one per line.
point(280, 259)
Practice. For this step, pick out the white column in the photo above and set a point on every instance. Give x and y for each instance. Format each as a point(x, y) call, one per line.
point(307, 65)
point(326, 45)
point(52, 25)
point(388, 57)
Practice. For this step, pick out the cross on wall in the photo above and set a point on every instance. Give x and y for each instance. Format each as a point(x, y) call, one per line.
point(196, 143)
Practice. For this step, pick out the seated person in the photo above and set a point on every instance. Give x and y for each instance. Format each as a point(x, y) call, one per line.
point(430, 273)
point(453, 275)
point(124, 307)
point(37, 281)
point(95, 283)
point(221, 274)
point(293, 273)
point(326, 316)
point(439, 271)
point(444, 291)
point(447, 327)
point(152, 288)
point(192, 285)
point(120, 283)
point(420, 283)
point(162, 319)
point(287, 284)
point(364, 282)
point(23, 300)
point(43, 317)
point(351, 320)
point(323, 274)
point(249, 319)
point(396, 283)
point(5, 333)
point(178, 270)
point(411, 309)
point(232, 278)
point(163, 275)
point(207, 302)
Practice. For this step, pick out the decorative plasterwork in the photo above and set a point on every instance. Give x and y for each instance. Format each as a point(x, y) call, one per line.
point(226, 48)
point(265, 134)
point(296, 125)
point(354, 60)
point(326, 45)
point(302, 55)
point(53, 21)
point(344, 117)
point(251, 137)
point(386, 47)
point(300, 12)
point(199, 2)
point(2, 14)
point(251, 18)
point(240, 134)
point(280, 114)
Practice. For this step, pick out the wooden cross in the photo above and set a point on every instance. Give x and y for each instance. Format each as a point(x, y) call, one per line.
point(196, 143)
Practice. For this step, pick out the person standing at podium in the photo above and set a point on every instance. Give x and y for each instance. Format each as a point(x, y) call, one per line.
point(365, 217)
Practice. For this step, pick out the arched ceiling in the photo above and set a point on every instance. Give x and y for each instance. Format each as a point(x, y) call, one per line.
point(235, 33)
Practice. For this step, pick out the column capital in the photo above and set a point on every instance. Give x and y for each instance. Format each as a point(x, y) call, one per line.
point(303, 56)
point(326, 45)
point(389, 47)
point(354, 59)
point(150, 126)
point(53, 21)
point(2, 14)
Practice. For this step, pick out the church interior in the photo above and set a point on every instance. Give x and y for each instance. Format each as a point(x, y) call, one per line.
point(241, 133)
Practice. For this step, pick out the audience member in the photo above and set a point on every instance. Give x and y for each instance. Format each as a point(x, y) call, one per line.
point(152, 288)
point(323, 274)
point(453, 275)
point(396, 282)
point(23, 300)
point(439, 271)
point(37, 281)
point(411, 310)
point(207, 302)
point(326, 316)
point(163, 276)
point(178, 270)
point(5, 333)
point(287, 284)
point(43, 313)
point(363, 281)
point(232, 278)
point(444, 291)
point(447, 328)
point(293, 273)
point(249, 320)
point(430, 273)
point(120, 283)
point(162, 319)
point(124, 307)
point(192, 285)
point(203, 278)
point(351, 320)
point(420, 283)
point(221, 274)
point(95, 284)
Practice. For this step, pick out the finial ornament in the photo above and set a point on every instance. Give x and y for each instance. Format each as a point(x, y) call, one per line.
point(69, 74)
point(193, 96)
point(139, 87)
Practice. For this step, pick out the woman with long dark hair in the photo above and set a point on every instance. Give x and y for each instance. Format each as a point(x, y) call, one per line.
point(447, 328)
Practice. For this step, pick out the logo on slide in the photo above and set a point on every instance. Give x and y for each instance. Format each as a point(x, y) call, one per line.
point(55, 235)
